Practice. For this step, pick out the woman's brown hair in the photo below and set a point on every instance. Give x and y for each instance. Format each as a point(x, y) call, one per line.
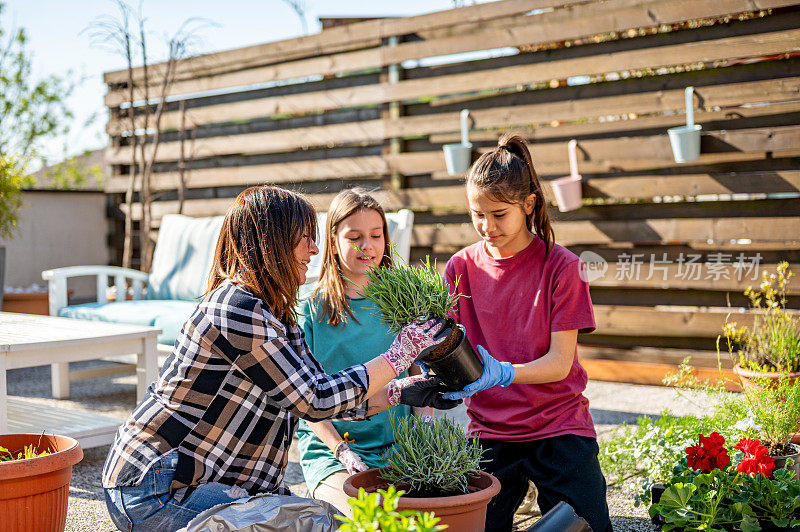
point(256, 246)
point(331, 287)
point(507, 174)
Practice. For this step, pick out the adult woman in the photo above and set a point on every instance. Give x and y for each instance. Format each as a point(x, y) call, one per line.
point(217, 424)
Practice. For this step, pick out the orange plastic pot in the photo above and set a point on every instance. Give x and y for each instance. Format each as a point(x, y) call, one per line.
point(34, 492)
point(462, 513)
point(748, 379)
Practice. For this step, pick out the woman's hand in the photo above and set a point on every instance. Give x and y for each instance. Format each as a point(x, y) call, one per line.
point(495, 373)
point(419, 391)
point(412, 341)
point(349, 458)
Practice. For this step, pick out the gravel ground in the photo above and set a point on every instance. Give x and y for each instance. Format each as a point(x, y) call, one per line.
point(612, 404)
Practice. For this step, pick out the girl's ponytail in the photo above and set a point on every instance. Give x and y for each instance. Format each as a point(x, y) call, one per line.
point(507, 174)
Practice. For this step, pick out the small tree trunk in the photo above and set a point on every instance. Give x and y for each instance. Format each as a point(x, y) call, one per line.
point(127, 247)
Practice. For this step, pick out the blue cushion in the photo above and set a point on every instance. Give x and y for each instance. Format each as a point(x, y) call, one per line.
point(169, 316)
point(183, 257)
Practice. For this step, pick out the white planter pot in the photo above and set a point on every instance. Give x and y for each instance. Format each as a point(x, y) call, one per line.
point(685, 142)
point(457, 157)
point(568, 192)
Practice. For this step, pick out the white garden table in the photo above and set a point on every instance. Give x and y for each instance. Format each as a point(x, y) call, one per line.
point(28, 340)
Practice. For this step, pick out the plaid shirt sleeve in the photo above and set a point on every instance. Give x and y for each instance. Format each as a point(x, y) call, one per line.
point(280, 363)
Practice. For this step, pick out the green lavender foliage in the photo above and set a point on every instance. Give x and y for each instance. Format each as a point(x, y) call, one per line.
point(431, 457)
point(403, 294)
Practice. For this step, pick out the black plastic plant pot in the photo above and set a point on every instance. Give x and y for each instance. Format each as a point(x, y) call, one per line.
point(458, 366)
point(561, 518)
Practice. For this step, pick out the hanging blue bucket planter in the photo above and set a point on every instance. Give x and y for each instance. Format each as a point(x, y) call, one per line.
point(685, 140)
point(458, 156)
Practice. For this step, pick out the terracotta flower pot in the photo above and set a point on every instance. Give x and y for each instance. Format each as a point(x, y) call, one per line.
point(34, 492)
point(748, 378)
point(462, 513)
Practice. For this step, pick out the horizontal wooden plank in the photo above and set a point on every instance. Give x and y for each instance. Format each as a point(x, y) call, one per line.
point(644, 271)
point(678, 54)
point(368, 166)
point(559, 25)
point(447, 197)
point(603, 154)
point(717, 230)
point(378, 130)
point(722, 94)
point(338, 38)
point(634, 122)
point(649, 373)
point(598, 153)
point(651, 186)
point(667, 321)
point(653, 355)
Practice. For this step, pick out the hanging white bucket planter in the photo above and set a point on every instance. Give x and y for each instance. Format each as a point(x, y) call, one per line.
point(567, 190)
point(458, 156)
point(685, 140)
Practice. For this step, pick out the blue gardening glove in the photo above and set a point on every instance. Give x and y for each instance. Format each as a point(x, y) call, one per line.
point(494, 374)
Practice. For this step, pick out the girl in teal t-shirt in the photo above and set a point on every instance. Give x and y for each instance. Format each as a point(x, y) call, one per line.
point(342, 329)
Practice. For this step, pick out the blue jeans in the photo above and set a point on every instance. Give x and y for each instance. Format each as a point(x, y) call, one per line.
point(151, 506)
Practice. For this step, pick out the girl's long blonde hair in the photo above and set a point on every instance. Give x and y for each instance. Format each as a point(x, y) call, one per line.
point(507, 174)
point(256, 246)
point(331, 285)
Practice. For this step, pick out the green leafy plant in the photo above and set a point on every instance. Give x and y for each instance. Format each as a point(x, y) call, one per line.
point(769, 411)
point(403, 293)
point(377, 512)
point(12, 180)
point(647, 451)
point(709, 490)
point(773, 344)
point(27, 452)
point(431, 457)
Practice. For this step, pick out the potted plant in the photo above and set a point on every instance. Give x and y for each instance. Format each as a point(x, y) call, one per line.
point(772, 347)
point(404, 294)
point(714, 487)
point(439, 469)
point(35, 470)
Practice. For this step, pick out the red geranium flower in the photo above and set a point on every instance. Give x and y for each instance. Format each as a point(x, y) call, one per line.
point(709, 454)
point(756, 458)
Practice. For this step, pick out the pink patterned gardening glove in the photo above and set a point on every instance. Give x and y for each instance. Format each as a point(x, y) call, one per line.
point(412, 341)
point(349, 459)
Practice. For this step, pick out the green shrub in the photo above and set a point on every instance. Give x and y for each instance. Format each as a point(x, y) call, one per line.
point(649, 450)
point(431, 457)
point(371, 514)
point(402, 293)
point(773, 344)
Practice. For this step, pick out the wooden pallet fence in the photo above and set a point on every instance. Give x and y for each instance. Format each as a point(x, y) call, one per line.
point(311, 114)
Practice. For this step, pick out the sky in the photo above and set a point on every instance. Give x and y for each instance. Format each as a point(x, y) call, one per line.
point(59, 45)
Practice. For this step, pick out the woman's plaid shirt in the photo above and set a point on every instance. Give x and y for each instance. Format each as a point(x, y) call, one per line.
point(228, 399)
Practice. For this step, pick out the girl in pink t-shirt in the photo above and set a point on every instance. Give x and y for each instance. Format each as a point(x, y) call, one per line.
point(527, 301)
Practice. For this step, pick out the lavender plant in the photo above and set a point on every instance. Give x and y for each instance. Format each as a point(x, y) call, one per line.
point(403, 293)
point(431, 457)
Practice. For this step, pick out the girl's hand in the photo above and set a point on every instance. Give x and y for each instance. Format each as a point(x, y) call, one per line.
point(419, 391)
point(349, 458)
point(412, 341)
point(495, 373)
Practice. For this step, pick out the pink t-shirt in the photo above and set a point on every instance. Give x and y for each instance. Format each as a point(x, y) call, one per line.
point(513, 305)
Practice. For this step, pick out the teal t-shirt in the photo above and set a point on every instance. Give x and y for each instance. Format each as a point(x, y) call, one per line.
point(337, 348)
